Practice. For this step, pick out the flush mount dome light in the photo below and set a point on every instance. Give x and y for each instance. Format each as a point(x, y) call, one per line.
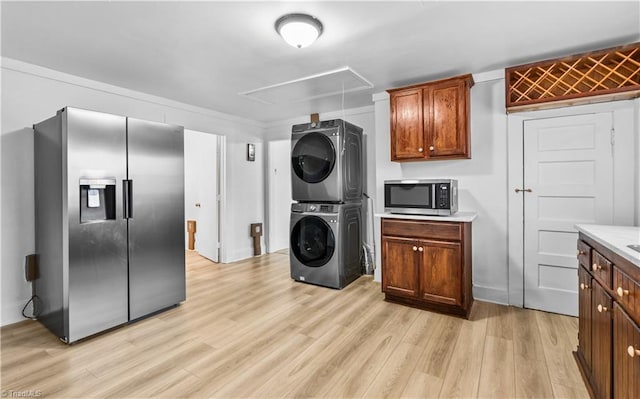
point(299, 30)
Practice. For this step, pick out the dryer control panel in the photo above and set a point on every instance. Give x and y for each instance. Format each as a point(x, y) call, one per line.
point(314, 208)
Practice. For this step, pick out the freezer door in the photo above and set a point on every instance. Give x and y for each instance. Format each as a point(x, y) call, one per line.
point(156, 216)
point(97, 247)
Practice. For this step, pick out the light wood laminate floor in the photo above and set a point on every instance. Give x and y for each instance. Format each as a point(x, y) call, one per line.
point(247, 330)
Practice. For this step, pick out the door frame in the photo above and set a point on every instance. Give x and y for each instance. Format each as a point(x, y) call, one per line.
point(624, 153)
point(220, 189)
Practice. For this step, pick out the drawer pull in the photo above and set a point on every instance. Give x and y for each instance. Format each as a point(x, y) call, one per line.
point(415, 248)
point(602, 308)
point(584, 286)
point(621, 292)
point(596, 267)
point(420, 249)
point(633, 352)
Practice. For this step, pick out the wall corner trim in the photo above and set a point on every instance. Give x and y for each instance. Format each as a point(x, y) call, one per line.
point(383, 95)
point(496, 74)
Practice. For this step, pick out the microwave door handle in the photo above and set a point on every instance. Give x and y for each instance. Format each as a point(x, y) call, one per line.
point(433, 197)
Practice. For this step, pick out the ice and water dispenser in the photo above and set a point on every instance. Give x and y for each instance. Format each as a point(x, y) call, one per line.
point(97, 200)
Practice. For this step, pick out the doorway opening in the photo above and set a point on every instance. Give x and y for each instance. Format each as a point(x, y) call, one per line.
point(203, 171)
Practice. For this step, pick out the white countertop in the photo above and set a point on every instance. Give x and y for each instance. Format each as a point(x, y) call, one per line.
point(615, 238)
point(461, 216)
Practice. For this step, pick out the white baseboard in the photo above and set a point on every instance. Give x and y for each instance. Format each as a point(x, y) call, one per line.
point(491, 294)
point(11, 312)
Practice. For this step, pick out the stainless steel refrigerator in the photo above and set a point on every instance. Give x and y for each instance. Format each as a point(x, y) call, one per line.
point(109, 196)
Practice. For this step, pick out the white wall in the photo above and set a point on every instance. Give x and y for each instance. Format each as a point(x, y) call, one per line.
point(482, 181)
point(278, 194)
point(31, 94)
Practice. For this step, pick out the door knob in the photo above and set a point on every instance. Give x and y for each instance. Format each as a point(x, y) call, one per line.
point(602, 308)
point(519, 190)
point(622, 292)
point(633, 352)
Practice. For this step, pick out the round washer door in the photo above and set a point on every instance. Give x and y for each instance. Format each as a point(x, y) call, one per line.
point(312, 241)
point(313, 157)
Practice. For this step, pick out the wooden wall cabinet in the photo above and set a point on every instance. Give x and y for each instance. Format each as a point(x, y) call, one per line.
point(427, 264)
point(608, 352)
point(430, 121)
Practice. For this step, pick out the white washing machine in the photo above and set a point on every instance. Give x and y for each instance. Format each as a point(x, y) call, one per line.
point(326, 243)
point(326, 162)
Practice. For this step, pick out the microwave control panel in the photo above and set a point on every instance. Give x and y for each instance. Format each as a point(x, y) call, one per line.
point(443, 195)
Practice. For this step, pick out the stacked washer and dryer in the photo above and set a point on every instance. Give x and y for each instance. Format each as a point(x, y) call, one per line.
point(326, 221)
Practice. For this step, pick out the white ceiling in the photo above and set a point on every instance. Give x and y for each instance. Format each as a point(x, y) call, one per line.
point(205, 53)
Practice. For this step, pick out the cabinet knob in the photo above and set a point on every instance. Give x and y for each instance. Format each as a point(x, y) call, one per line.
point(415, 248)
point(197, 205)
point(580, 253)
point(420, 249)
point(584, 286)
point(420, 149)
point(621, 292)
point(431, 148)
point(595, 267)
point(633, 352)
point(602, 308)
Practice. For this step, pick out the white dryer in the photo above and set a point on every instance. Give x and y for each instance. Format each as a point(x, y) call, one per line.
point(326, 162)
point(326, 243)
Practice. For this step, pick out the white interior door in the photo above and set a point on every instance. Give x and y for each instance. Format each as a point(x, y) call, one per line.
point(279, 191)
point(201, 190)
point(568, 165)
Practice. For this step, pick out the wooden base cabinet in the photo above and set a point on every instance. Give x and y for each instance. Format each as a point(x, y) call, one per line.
point(602, 340)
point(585, 322)
point(626, 355)
point(608, 352)
point(427, 264)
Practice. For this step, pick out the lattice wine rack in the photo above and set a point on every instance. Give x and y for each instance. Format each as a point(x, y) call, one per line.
point(611, 74)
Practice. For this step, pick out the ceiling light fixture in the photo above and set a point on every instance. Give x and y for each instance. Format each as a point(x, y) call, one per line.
point(299, 30)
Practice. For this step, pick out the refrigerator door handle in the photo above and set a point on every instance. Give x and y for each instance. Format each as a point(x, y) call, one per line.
point(127, 199)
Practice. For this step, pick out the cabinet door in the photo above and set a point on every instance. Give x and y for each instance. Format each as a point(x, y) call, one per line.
point(446, 119)
point(626, 355)
point(400, 267)
point(602, 340)
point(407, 135)
point(441, 272)
point(584, 320)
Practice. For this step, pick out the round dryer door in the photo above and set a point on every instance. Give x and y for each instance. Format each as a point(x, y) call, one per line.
point(312, 241)
point(313, 157)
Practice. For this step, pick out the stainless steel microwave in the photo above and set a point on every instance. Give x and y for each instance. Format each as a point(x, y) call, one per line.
point(421, 197)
